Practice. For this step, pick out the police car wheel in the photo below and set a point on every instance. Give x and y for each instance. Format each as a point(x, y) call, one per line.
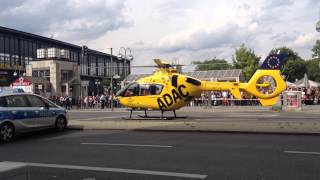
point(6, 132)
point(60, 124)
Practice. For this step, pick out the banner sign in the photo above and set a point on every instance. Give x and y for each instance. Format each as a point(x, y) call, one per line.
point(21, 81)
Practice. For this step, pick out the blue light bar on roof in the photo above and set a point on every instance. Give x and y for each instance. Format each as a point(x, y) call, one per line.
point(11, 90)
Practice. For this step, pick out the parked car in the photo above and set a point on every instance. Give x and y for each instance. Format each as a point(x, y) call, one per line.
point(22, 112)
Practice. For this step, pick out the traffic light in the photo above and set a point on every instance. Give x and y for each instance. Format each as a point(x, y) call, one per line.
point(114, 88)
point(84, 50)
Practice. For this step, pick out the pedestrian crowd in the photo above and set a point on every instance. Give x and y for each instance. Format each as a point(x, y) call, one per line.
point(64, 101)
point(88, 102)
point(310, 96)
point(222, 98)
point(102, 101)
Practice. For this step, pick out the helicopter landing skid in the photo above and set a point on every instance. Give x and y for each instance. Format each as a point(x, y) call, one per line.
point(146, 117)
point(149, 118)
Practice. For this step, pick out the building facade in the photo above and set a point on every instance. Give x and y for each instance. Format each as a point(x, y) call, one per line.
point(19, 49)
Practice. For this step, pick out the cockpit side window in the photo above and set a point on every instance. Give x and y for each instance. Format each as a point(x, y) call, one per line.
point(132, 90)
point(135, 89)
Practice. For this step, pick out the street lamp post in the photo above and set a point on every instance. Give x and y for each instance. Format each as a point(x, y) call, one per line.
point(125, 57)
point(111, 82)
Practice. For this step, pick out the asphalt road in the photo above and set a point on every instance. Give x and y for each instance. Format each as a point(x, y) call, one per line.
point(203, 116)
point(130, 155)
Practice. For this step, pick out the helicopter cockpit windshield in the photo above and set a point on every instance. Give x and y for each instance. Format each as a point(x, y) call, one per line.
point(135, 89)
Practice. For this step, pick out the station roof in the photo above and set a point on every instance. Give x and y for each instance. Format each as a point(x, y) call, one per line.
point(27, 35)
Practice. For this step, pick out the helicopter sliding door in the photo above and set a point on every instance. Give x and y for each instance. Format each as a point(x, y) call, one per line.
point(138, 95)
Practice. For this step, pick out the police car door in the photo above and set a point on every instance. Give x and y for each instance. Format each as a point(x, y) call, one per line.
point(20, 112)
point(41, 109)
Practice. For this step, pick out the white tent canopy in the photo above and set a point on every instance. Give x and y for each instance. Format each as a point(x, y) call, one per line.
point(290, 84)
point(304, 82)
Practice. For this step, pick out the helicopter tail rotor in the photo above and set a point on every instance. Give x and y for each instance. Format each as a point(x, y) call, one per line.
point(266, 85)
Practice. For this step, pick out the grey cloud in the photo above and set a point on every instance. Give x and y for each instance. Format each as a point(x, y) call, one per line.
point(64, 19)
point(278, 4)
point(230, 36)
point(284, 37)
point(174, 9)
point(10, 4)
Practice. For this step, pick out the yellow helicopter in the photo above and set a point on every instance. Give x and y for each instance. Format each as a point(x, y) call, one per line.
point(169, 90)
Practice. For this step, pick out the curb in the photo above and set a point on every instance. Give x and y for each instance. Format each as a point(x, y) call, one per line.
point(199, 131)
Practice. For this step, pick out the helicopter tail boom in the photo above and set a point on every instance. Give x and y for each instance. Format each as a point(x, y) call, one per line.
point(233, 87)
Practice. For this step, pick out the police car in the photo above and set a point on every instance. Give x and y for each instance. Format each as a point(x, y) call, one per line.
point(23, 112)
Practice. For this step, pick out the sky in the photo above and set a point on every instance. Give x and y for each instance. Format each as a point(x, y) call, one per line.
point(184, 30)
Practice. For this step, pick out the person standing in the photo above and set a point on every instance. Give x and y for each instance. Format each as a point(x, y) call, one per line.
point(102, 100)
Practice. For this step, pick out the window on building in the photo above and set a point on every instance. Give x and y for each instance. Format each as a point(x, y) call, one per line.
point(1, 44)
point(66, 75)
point(38, 88)
point(93, 66)
point(6, 50)
point(41, 73)
point(3, 102)
point(1, 51)
point(100, 66)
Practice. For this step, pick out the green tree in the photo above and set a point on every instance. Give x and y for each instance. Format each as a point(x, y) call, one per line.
point(246, 60)
point(316, 50)
point(213, 64)
point(294, 70)
point(313, 70)
point(294, 67)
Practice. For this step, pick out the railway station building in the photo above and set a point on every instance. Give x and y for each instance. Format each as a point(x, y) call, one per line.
point(66, 66)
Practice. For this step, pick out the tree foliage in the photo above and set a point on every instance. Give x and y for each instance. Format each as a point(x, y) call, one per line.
point(313, 69)
point(316, 50)
point(294, 70)
point(246, 60)
point(213, 64)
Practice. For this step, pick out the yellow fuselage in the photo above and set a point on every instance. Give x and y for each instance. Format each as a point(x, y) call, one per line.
point(178, 90)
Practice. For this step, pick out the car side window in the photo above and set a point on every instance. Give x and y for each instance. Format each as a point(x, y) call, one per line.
point(51, 104)
point(36, 101)
point(16, 101)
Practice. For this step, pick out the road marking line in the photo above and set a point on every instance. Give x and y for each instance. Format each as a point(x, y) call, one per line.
point(302, 152)
point(132, 145)
point(97, 111)
point(99, 118)
point(118, 170)
point(252, 115)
